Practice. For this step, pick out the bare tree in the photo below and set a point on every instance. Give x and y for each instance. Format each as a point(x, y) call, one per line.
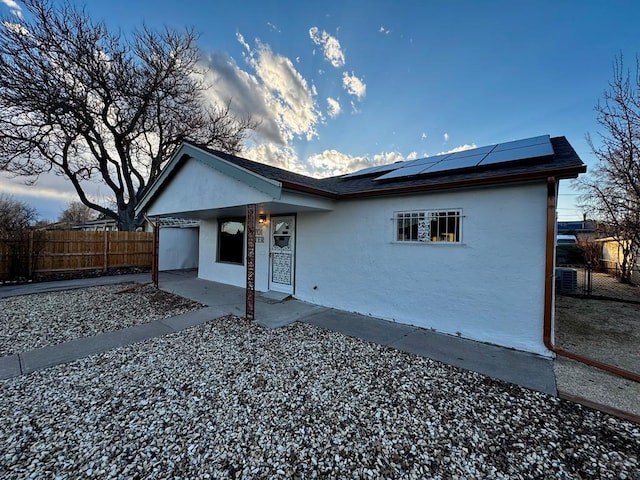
point(16, 219)
point(612, 188)
point(94, 105)
point(77, 212)
point(15, 216)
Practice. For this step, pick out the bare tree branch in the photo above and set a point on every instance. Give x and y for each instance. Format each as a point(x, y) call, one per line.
point(92, 105)
point(612, 188)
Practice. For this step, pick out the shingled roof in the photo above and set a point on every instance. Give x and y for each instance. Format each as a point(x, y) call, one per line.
point(564, 163)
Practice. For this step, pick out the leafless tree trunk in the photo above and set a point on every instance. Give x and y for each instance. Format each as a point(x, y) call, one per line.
point(92, 105)
point(612, 188)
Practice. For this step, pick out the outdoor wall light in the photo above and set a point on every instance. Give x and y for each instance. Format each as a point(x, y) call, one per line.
point(262, 218)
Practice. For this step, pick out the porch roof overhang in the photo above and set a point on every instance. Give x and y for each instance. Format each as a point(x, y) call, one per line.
point(243, 187)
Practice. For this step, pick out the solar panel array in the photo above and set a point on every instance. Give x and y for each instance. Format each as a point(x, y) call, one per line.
point(501, 153)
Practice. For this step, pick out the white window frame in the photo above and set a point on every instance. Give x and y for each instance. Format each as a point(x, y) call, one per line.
point(417, 226)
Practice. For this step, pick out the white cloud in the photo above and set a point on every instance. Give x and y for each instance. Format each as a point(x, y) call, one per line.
point(12, 187)
point(276, 94)
point(387, 158)
point(384, 30)
point(459, 148)
point(272, 27)
point(247, 95)
point(281, 156)
point(353, 85)
point(446, 137)
point(13, 7)
point(334, 107)
point(325, 164)
point(412, 156)
point(330, 46)
point(15, 28)
point(423, 136)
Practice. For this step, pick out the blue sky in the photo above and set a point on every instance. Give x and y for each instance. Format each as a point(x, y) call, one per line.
point(342, 85)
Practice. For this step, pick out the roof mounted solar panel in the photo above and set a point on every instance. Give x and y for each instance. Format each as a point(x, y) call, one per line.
point(515, 154)
point(459, 163)
point(376, 169)
point(515, 151)
point(471, 152)
point(407, 171)
point(525, 142)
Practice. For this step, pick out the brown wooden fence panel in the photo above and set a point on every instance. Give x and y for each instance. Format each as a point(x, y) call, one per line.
point(76, 251)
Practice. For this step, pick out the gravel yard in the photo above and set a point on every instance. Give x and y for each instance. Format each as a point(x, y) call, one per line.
point(229, 399)
point(33, 321)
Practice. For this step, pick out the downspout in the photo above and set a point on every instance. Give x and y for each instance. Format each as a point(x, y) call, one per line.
point(548, 293)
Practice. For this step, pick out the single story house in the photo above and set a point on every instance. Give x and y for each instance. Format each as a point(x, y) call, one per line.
point(462, 243)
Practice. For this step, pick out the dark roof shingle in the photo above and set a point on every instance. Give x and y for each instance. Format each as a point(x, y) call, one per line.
point(565, 163)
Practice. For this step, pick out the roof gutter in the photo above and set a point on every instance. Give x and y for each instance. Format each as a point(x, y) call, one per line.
point(548, 293)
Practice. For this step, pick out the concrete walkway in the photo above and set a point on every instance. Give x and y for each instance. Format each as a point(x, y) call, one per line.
point(272, 311)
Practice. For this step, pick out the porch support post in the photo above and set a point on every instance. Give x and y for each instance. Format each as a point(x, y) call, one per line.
point(155, 254)
point(251, 262)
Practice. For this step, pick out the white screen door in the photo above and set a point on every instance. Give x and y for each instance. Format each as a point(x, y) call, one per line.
point(282, 254)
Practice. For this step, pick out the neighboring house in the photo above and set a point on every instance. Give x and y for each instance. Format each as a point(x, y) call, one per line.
point(612, 257)
point(584, 230)
point(102, 225)
point(461, 243)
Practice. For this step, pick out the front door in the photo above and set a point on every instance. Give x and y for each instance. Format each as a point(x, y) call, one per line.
point(282, 254)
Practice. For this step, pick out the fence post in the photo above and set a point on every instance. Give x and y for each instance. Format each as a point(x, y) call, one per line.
point(106, 252)
point(30, 258)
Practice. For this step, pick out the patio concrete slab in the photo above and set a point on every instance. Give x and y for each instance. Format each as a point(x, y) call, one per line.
point(213, 294)
point(10, 366)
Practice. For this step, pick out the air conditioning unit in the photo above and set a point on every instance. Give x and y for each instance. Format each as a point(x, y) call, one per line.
point(566, 279)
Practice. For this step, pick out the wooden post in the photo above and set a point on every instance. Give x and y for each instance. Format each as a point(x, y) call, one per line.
point(30, 259)
point(106, 251)
point(251, 262)
point(155, 254)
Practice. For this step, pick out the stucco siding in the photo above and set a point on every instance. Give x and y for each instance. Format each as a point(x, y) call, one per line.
point(231, 274)
point(489, 288)
point(197, 187)
point(178, 248)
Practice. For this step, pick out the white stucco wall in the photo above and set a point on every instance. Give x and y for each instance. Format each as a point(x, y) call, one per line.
point(490, 288)
point(178, 248)
point(198, 187)
point(209, 269)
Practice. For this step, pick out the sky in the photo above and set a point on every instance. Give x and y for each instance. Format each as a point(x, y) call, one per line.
point(342, 85)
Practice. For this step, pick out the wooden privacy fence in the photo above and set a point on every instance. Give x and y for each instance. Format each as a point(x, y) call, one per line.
point(46, 253)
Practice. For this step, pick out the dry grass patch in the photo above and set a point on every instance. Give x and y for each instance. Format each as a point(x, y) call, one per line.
point(605, 330)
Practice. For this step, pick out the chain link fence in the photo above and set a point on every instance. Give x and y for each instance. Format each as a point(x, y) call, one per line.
point(599, 281)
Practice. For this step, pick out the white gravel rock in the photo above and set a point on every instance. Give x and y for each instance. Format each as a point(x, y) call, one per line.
point(232, 400)
point(33, 321)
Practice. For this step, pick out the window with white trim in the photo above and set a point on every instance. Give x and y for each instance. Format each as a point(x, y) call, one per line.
point(442, 226)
